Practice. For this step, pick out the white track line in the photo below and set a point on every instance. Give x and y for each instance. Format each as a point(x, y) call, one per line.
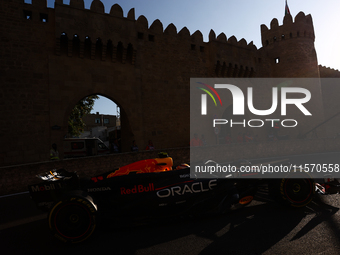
point(15, 194)
point(22, 221)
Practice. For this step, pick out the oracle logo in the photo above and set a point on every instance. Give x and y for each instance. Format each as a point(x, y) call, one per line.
point(195, 187)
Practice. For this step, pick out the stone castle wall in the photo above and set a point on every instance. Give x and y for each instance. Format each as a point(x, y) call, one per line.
point(54, 57)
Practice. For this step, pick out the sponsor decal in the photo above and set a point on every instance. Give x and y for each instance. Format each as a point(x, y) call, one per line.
point(137, 189)
point(194, 187)
point(45, 187)
point(96, 179)
point(246, 200)
point(184, 175)
point(45, 204)
point(99, 189)
point(88, 204)
point(180, 202)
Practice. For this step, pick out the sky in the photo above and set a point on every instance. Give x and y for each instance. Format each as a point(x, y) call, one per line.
point(241, 18)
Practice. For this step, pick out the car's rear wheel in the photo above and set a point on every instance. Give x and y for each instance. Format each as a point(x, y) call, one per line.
point(296, 190)
point(73, 219)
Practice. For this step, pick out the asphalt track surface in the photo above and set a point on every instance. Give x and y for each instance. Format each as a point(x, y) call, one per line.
point(264, 227)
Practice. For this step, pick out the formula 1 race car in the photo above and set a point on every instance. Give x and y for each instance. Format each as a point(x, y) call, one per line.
point(148, 189)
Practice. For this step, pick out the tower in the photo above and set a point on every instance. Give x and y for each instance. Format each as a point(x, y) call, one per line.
point(290, 47)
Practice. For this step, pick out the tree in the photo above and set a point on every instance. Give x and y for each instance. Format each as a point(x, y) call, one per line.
point(75, 121)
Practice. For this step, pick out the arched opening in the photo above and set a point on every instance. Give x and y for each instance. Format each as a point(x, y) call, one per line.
point(63, 43)
point(230, 70)
point(241, 71)
point(94, 128)
point(217, 68)
point(235, 71)
point(99, 48)
point(120, 50)
point(75, 45)
point(251, 72)
point(223, 70)
point(129, 53)
point(246, 73)
point(87, 47)
point(109, 50)
point(105, 117)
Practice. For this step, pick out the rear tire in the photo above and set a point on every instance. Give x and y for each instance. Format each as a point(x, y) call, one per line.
point(73, 220)
point(292, 191)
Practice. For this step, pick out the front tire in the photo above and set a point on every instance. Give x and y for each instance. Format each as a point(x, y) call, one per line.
point(73, 220)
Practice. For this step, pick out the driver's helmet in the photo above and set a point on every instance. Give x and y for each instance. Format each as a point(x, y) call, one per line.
point(182, 166)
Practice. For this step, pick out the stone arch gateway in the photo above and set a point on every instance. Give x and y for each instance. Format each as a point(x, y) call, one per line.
point(126, 134)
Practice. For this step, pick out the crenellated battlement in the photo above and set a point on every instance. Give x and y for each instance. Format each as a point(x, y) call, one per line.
point(327, 72)
point(94, 34)
point(302, 27)
point(80, 24)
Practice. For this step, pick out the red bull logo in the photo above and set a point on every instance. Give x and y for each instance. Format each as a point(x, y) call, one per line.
point(137, 189)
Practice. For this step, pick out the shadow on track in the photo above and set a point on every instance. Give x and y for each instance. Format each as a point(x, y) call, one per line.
point(251, 230)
